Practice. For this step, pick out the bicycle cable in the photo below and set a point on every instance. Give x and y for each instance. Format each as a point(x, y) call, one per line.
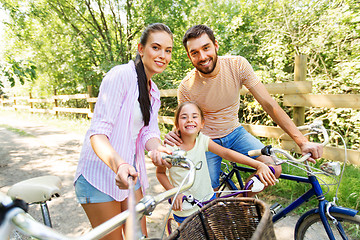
point(343, 167)
point(172, 203)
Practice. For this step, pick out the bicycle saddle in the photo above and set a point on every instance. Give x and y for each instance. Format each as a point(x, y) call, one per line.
point(36, 190)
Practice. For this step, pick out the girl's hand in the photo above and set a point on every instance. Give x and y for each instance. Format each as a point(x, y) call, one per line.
point(178, 203)
point(124, 171)
point(265, 174)
point(156, 156)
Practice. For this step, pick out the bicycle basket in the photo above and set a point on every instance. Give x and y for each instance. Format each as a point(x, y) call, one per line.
point(228, 218)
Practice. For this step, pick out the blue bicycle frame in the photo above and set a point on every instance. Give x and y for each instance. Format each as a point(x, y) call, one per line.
point(314, 191)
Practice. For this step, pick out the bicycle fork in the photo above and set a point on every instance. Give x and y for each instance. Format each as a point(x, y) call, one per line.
point(335, 221)
point(325, 209)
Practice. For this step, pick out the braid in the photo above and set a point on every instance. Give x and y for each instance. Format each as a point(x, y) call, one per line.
point(143, 99)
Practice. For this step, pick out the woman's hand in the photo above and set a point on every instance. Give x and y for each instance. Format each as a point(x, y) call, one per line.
point(178, 202)
point(265, 174)
point(156, 156)
point(124, 171)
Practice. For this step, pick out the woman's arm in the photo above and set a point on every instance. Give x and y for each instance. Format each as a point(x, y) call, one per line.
point(154, 146)
point(265, 174)
point(103, 149)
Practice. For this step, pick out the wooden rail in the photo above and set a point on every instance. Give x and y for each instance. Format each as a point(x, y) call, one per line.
point(327, 101)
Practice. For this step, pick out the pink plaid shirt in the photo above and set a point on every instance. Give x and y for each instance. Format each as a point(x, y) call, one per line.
point(113, 118)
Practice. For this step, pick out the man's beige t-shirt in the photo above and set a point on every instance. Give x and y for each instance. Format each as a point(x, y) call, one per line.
point(219, 96)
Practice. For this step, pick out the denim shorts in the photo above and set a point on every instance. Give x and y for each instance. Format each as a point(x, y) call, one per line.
point(87, 193)
point(238, 140)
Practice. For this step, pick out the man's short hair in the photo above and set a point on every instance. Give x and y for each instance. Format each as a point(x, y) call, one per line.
point(196, 31)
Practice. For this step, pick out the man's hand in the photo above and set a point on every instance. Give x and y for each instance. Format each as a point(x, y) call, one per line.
point(316, 150)
point(172, 139)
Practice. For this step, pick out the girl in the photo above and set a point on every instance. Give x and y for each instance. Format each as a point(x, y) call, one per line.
point(123, 125)
point(189, 120)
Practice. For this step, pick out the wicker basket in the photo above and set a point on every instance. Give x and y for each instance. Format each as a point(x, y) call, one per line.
point(228, 218)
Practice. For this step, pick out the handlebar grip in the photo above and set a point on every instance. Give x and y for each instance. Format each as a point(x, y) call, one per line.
point(257, 185)
point(163, 155)
point(253, 153)
point(183, 199)
point(264, 151)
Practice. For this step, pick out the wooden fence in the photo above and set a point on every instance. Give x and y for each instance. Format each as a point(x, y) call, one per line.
point(296, 94)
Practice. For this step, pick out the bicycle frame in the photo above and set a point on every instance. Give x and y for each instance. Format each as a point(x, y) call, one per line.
point(314, 191)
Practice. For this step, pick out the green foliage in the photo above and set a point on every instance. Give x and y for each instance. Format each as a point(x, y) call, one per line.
point(20, 71)
point(74, 43)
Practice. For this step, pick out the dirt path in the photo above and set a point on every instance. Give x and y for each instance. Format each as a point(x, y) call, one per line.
point(46, 150)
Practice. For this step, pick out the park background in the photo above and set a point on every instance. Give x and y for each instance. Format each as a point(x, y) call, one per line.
point(64, 47)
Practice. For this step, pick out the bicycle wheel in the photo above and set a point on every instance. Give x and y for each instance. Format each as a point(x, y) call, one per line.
point(312, 227)
point(171, 225)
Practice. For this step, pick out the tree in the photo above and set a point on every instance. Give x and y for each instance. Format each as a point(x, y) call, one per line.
point(20, 71)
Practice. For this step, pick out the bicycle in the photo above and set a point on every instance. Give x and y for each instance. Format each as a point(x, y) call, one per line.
point(345, 224)
point(13, 211)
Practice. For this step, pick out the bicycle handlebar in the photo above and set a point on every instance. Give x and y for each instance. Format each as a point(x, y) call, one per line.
point(314, 128)
point(147, 204)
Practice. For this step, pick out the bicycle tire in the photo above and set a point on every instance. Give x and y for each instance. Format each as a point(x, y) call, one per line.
point(312, 227)
point(171, 225)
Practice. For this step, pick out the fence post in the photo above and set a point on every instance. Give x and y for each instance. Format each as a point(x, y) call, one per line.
point(55, 103)
point(299, 75)
point(31, 103)
point(91, 104)
point(2, 101)
point(15, 103)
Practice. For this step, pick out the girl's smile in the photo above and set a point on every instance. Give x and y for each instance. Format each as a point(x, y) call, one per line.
point(190, 121)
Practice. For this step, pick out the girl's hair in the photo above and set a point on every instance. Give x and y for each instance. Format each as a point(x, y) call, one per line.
point(178, 110)
point(144, 100)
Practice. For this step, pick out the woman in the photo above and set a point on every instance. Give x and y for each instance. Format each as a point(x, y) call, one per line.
point(123, 125)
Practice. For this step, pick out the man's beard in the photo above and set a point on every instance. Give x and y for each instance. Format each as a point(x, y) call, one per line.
point(214, 60)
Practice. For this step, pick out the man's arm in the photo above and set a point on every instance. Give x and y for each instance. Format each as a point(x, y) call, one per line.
point(283, 120)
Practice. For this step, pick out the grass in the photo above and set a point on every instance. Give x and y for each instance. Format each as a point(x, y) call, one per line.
point(16, 130)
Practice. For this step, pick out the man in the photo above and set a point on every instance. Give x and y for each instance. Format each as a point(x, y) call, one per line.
point(214, 84)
